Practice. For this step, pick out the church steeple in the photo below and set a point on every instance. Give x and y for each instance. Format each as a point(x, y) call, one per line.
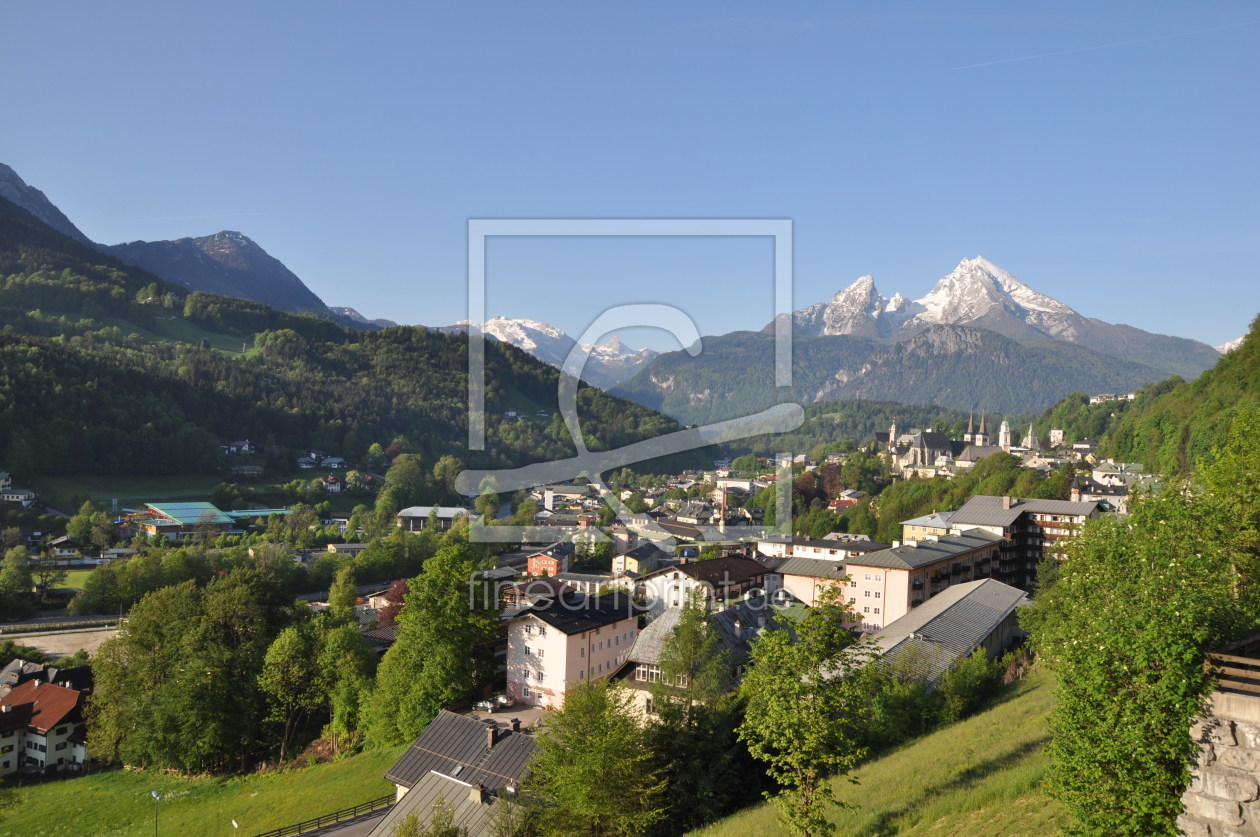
point(970, 435)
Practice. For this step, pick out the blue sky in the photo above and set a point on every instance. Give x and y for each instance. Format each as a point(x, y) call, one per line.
point(1103, 153)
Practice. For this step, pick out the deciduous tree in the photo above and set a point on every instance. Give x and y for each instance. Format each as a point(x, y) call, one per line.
point(805, 707)
point(594, 772)
point(1127, 624)
point(441, 651)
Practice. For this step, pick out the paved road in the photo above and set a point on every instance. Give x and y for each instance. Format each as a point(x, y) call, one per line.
point(360, 827)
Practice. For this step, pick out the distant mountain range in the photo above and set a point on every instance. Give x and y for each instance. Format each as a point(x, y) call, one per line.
point(227, 262)
point(607, 364)
point(980, 339)
point(979, 294)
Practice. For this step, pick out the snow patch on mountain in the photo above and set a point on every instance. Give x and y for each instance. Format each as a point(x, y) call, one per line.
point(607, 364)
point(1226, 348)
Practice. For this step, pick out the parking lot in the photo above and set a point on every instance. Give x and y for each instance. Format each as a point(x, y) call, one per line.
point(531, 717)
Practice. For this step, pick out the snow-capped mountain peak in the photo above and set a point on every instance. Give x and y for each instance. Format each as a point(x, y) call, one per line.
point(976, 292)
point(980, 291)
point(606, 366)
point(1226, 348)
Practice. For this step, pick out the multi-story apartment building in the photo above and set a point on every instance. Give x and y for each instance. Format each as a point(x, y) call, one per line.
point(571, 638)
point(1030, 529)
point(886, 585)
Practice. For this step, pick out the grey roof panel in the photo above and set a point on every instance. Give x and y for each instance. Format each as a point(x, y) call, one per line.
point(985, 510)
point(475, 817)
point(814, 567)
point(456, 746)
point(924, 553)
point(947, 626)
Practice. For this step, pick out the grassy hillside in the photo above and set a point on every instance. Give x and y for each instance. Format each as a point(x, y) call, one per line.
point(118, 804)
point(978, 778)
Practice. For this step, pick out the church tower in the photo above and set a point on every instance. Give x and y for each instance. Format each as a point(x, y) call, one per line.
point(981, 439)
point(1004, 436)
point(969, 436)
point(892, 435)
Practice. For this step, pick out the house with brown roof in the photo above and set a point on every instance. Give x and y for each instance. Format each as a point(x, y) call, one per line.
point(41, 728)
point(724, 580)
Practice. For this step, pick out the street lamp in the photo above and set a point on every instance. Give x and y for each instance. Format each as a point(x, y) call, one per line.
point(156, 799)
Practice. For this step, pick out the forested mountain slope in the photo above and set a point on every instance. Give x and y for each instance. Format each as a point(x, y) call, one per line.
point(106, 369)
point(1174, 424)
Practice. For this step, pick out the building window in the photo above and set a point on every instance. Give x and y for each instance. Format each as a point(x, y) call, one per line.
point(582, 651)
point(525, 692)
point(877, 610)
point(866, 610)
point(853, 583)
point(540, 653)
point(866, 577)
point(877, 594)
point(61, 746)
point(527, 652)
point(7, 748)
point(61, 730)
point(866, 594)
point(529, 629)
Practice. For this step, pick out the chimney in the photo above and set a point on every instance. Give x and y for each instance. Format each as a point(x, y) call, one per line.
point(1006, 502)
point(491, 729)
point(476, 794)
point(515, 724)
point(1076, 494)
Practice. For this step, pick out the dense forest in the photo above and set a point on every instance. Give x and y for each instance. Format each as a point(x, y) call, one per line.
point(105, 369)
point(1175, 424)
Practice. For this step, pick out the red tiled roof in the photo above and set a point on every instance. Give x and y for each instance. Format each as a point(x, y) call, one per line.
point(42, 707)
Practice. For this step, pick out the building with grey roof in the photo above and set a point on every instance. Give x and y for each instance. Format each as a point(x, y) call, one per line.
point(883, 586)
point(962, 619)
point(472, 766)
point(1031, 529)
point(736, 627)
point(936, 523)
point(416, 518)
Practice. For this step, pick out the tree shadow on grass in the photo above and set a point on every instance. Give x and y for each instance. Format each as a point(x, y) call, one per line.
point(885, 823)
